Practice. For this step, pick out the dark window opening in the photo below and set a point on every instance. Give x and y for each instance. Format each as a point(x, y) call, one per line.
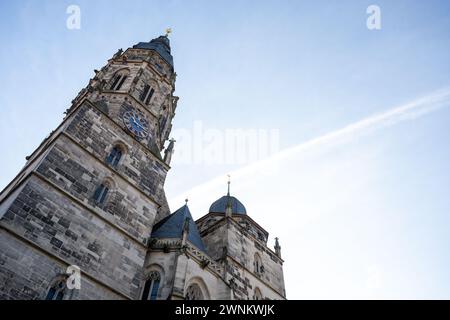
point(100, 193)
point(114, 157)
point(146, 94)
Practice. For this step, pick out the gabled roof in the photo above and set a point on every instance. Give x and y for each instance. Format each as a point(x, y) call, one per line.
point(172, 227)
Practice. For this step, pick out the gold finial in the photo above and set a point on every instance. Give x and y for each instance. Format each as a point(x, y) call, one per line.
point(168, 31)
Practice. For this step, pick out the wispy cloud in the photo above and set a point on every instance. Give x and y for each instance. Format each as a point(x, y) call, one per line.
point(408, 111)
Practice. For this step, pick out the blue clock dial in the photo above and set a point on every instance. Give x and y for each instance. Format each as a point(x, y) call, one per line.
point(136, 123)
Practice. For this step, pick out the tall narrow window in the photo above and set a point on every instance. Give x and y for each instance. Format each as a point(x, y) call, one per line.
point(258, 264)
point(118, 79)
point(100, 193)
point(146, 94)
point(151, 286)
point(57, 291)
point(149, 96)
point(114, 156)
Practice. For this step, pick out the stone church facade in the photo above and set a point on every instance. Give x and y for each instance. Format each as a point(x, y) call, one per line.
point(92, 196)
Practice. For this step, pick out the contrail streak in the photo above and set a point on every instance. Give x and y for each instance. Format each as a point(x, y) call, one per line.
point(409, 111)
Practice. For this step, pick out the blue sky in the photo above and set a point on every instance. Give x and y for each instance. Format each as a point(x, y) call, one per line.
point(364, 215)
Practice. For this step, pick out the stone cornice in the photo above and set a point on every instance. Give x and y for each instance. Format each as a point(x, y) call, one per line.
point(175, 245)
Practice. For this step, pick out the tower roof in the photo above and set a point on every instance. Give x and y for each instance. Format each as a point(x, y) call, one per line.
point(172, 227)
point(220, 205)
point(160, 45)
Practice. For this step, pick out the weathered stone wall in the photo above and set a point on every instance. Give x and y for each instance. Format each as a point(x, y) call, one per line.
point(214, 236)
point(165, 264)
point(98, 134)
point(49, 209)
point(242, 249)
point(242, 244)
point(189, 271)
point(73, 233)
point(26, 273)
point(146, 67)
point(72, 169)
point(251, 228)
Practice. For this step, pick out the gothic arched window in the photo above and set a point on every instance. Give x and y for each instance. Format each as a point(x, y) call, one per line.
point(57, 290)
point(118, 79)
point(114, 156)
point(259, 268)
point(146, 94)
point(257, 294)
point(101, 193)
point(193, 292)
point(151, 286)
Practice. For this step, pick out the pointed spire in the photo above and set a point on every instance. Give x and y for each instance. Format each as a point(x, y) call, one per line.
point(179, 225)
point(229, 208)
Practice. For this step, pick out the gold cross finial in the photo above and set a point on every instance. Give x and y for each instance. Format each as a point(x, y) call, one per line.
point(168, 31)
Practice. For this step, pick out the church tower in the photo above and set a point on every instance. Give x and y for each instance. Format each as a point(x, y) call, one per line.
point(223, 255)
point(252, 270)
point(90, 194)
point(90, 201)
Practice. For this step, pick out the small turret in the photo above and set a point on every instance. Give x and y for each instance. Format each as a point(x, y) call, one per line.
point(169, 152)
point(277, 248)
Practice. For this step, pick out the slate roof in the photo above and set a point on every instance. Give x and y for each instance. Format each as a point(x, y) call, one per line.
point(220, 205)
point(172, 227)
point(160, 45)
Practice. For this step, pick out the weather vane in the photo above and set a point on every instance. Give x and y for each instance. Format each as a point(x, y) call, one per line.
point(168, 31)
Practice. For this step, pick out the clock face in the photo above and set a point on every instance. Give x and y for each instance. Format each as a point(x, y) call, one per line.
point(136, 123)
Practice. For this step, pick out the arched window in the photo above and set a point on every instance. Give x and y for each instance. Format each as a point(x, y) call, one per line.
point(257, 295)
point(146, 94)
point(114, 156)
point(259, 268)
point(193, 292)
point(151, 286)
point(57, 290)
point(118, 79)
point(101, 192)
